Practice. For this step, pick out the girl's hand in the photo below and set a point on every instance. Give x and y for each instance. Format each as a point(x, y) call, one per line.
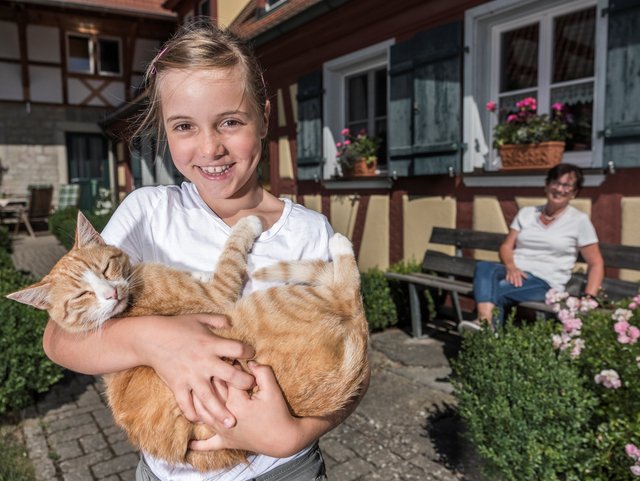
point(515, 276)
point(265, 424)
point(187, 357)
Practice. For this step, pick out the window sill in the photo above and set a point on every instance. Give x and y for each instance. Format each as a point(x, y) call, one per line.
point(592, 178)
point(359, 183)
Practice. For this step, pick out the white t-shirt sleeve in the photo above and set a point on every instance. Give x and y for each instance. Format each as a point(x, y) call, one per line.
point(586, 232)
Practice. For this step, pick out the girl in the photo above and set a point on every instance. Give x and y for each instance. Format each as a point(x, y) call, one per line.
point(207, 96)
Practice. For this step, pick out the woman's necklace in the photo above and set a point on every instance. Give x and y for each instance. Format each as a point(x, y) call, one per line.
point(550, 218)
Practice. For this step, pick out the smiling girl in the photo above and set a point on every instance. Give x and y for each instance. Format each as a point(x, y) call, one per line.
point(207, 98)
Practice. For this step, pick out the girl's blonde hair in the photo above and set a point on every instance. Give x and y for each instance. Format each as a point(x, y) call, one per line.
point(199, 45)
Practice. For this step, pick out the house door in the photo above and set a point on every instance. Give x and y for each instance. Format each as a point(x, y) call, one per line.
point(88, 163)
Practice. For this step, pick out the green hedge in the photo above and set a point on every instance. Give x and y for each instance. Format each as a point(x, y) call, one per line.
point(378, 303)
point(62, 224)
point(24, 368)
point(525, 408)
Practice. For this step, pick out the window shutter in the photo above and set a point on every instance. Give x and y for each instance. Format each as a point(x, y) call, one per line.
point(425, 109)
point(309, 154)
point(622, 99)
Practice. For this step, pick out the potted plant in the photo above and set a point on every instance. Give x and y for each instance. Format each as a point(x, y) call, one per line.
point(526, 139)
point(357, 155)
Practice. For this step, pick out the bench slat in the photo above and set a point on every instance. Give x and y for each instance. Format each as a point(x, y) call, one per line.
point(437, 282)
point(450, 265)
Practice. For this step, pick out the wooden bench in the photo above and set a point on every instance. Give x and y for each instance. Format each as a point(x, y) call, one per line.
point(453, 275)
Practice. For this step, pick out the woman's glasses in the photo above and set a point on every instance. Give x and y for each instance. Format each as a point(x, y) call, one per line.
point(561, 185)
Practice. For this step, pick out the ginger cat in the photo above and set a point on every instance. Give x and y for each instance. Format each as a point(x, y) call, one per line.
point(311, 331)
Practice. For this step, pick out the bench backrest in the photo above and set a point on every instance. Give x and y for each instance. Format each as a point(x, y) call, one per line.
point(614, 255)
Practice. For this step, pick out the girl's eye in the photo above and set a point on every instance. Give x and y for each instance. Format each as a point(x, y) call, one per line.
point(182, 127)
point(231, 123)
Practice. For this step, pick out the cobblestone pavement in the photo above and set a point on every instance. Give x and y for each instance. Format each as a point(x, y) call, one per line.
point(404, 429)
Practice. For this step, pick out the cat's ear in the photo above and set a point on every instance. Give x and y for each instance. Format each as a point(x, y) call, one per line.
point(86, 235)
point(36, 295)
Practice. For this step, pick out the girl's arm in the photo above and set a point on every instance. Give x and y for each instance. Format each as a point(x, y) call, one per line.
point(595, 265)
point(181, 349)
point(278, 434)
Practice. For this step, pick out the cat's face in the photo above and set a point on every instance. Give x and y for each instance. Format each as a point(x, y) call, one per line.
point(86, 287)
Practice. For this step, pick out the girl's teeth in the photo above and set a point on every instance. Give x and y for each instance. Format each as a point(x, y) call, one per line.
point(216, 170)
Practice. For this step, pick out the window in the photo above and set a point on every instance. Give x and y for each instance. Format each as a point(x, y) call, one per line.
point(80, 54)
point(99, 56)
point(271, 4)
point(544, 50)
point(356, 96)
point(108, 57)
point(366, 95)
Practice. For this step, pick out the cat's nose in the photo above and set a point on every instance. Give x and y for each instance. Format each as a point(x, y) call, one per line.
point(113, 295)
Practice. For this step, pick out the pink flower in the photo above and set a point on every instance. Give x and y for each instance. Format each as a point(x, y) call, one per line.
point(491, 106)
point(558, 107)
point(512, 118)
point(622, 315)
point(609, 378)
point(572, 325)
point(345, 132)
point(633, 305)
point(635, 470)
point(347, 142)
point(632, 451)
point(578, 346)
point(529, 103)
point(338, 144)
point(621, 327)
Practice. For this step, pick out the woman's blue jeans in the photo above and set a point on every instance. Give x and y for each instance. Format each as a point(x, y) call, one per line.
point(490, 285)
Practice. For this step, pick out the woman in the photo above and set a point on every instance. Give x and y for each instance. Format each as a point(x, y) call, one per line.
point(539, 252)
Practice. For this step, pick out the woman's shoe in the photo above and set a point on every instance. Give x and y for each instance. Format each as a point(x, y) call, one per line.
point(470, 326)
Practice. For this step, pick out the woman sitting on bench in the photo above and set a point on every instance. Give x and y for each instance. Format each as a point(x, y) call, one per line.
point(539, 252)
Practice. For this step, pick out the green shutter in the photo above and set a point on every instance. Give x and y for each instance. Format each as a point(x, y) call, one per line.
point(426, 103)
point(622, 99)
point(309, 155)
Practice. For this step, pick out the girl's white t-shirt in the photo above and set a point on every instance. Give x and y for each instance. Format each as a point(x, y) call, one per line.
point(172, 225)
point(550, 251)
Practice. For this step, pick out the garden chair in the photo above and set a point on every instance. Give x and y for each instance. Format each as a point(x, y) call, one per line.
point(68, 196)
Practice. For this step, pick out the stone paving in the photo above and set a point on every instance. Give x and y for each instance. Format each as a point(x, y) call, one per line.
point(404, 429)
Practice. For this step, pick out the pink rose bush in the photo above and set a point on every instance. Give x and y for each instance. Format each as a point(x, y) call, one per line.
point(603, 345)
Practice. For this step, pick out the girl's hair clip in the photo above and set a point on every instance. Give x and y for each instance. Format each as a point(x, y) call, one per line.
point(156, 58)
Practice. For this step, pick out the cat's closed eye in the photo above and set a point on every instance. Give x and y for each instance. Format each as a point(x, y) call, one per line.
point(83, 294)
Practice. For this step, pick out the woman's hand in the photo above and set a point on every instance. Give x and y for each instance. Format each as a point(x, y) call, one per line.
point(265, 424)
point(187, 357)
point(515, 276)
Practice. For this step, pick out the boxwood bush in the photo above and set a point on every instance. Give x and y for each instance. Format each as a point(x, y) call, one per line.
point(378, 303)
point(62, 224)
point(24, 368)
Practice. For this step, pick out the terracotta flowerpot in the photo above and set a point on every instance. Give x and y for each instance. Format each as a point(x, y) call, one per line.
point(531, 156)
point(361, 168)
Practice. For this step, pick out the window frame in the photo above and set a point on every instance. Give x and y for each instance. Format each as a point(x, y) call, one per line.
point(483, 26)
point(270, 6)
point(98, 62)
point(89, 39)
point(94, 54)
point(334, 75)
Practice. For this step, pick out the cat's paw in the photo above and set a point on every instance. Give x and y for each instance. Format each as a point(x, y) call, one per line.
point(339, 245)
point(251, 222)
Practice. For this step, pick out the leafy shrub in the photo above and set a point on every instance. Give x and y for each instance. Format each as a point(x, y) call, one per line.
point(62, 224)
point(376, 297)
point(400, 292)
point(525, 409)
point(6, 244)
point(569, 387)
point(24, 368)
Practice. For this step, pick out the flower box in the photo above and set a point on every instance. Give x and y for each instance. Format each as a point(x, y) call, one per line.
point(362, 168)
point(531, 156)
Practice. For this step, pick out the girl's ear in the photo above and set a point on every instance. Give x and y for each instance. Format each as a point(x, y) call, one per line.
point(265, 119)
point(36, 295)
